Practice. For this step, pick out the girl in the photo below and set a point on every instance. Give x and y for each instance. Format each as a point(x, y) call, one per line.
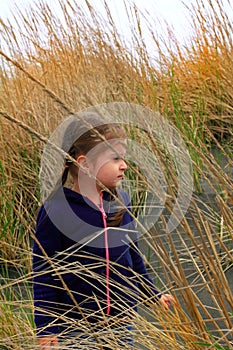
point(88, 271)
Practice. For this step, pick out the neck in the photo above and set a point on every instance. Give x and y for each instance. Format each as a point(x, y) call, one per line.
point(93, 196)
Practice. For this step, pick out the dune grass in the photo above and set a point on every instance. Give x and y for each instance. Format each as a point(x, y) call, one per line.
point(77, 63)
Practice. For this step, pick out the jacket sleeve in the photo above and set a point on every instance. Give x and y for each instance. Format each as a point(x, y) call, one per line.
point(144, 281)
point(44, 283)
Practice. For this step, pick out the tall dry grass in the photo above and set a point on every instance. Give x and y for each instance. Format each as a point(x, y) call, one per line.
point(51, 68)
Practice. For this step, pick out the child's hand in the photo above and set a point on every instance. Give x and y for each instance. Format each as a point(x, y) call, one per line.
point(48, 342)
point(166, 300)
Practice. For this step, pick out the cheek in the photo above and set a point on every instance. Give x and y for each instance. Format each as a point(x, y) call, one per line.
point(94, 166)
point(99, 166)
point(106, 173)
point(103, 171)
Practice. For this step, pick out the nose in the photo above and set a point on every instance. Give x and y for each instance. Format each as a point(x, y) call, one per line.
point(123, 165)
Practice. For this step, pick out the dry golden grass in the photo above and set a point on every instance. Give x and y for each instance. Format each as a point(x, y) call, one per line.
point(46, 77)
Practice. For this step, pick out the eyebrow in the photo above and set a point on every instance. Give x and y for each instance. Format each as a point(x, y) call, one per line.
point(116, 154)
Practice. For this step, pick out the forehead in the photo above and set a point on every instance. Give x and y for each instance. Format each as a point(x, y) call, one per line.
point(116, 145)
point(108, 147)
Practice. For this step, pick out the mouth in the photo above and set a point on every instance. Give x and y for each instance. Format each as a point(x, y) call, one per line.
point(119, 178)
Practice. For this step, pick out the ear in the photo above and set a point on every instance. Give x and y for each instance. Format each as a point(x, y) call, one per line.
point(82, 161)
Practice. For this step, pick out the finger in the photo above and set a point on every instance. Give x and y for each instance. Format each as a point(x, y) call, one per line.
point(55, 342)
point(173, 301)
point(170, 298)
point(45, 344)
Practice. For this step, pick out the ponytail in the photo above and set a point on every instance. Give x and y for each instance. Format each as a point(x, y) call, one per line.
point(65, 175)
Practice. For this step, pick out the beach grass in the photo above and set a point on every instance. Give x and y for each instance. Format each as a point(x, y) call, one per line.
point(55, 65)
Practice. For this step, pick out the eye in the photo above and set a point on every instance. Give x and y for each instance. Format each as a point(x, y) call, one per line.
point(119, 157)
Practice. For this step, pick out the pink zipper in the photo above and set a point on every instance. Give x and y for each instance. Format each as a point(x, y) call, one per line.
point(104, 216)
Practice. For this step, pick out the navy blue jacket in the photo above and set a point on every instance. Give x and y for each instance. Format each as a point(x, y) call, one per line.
point(72, 282)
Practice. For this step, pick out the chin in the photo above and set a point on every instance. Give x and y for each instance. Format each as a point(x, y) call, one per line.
point(113, 187)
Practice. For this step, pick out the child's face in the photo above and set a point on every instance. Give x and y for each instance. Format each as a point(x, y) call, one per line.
point(109, 166)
